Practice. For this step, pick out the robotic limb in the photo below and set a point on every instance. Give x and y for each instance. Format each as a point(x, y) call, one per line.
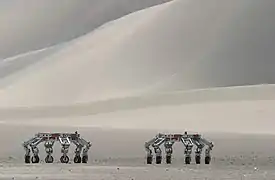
point(78, 150)
point(156, 145)
point(65, 144)
point(198, 150)
point(85, 151)
point(35, 157)
point(169, 150)
point(149, 151)
point(81, 145)
point(207, 150)
point(28, 153)
point(188, 149)
point(31, 146)
point(49, 150)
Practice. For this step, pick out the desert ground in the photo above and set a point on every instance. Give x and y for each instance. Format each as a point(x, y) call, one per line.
point(120, 72)
point(119, 154)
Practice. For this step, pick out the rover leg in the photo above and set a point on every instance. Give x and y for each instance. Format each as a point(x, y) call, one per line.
point(188, 152)
point(27, 155)
point(207, 156)
point(35, 158)
point(149, 157)
point(198, 151)
point(156, 145)
point(169, 150)
point(31, 146)
point(49, 150)
point(188, 149)
point(87, 146)
point(198, 155)
point(84, 145)
point(158, 155)
point(85, 155)
point(207, 150)
point(78, 150)
point(65, 144)
point(77, 158)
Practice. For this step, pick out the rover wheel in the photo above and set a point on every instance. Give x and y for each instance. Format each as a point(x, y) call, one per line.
point(84, 159)
point(27, 159)
point(187, 160)
point(77, 159)
point(149, 159)
point(158, 159)
point(64, 159)
point(168, 159)
point(49, 159)
point(198, 159)
point(207, 160)
point(35, 159)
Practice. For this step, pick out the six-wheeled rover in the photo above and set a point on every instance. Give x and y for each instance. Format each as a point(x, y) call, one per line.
point(188, 140)
point(65, 140)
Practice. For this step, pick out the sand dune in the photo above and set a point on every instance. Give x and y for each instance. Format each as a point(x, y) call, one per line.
point(202, 96)
point(178, 45)
point(152, 60)
point(255, 117)
point(39, 24)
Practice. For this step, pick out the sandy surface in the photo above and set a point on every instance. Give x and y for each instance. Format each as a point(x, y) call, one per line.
point(129, 173)
point(119, 154)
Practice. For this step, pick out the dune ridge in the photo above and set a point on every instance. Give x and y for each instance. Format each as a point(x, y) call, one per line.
point(214, 95)
point(200, 64)
point(180, 45)
point(44, 23)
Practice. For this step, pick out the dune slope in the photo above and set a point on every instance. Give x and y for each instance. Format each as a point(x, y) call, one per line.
point(39, 24)
point(178, 45)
